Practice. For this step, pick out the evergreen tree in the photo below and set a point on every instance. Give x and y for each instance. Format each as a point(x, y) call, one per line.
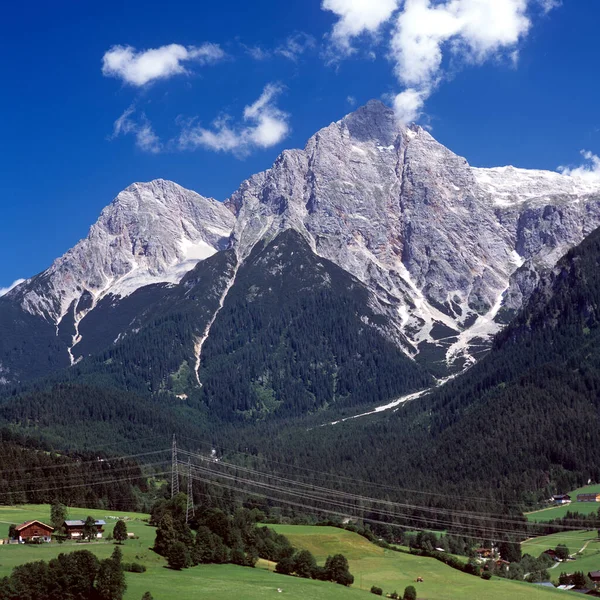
point(336, 568)
point(111, 584)
point(89, 529)
point(120, 531)
point(166, 535)
point(58, 516)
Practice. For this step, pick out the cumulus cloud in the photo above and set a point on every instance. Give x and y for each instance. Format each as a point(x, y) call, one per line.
point(145, 138)
point(264, 125)
point(589, 172)
point(138, 68)
point(471, 30)
point(409, 104)
point(14, 284)
point(425, 33)
point(357, 17)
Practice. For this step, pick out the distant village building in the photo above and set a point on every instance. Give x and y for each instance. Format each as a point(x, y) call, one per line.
point(74, 529)
point(561, 499)
point(34, 530)
point(484, 552)
point(594, 576)
point(595, 497)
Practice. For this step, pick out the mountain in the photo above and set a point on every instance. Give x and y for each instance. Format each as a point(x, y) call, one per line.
point(424, 257)
point(519, 426)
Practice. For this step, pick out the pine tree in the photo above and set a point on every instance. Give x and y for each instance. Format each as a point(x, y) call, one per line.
point(111, 584)
point(120, 531)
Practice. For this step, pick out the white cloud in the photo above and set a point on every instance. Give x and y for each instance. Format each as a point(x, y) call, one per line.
point(351, 100)
point(548, 5)
point(409, 104)
point(257, 53)
point(426, 33)
point(474, 30)
point(357, 17)
point(139, 68)
point(264, 125)
point(145, 138)
point(14, 284)
point(296, 45)
point(589, 172)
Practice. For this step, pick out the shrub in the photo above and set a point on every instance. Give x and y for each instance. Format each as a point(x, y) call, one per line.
point(133, 567)
point(177, 556)
point(410, 593)
point(487, 576)
point(376, 590)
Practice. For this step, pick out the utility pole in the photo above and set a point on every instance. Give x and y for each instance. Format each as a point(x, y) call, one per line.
point(174, 470)
point(189, 512)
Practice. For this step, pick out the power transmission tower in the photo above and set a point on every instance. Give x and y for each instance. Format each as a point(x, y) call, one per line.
point(189, 512)
point(174, 470)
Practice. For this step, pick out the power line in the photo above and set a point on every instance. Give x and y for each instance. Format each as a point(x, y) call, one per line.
point(329, 476)
point(320, 494)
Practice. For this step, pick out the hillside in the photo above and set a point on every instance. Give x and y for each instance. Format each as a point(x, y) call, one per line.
point(367, 562)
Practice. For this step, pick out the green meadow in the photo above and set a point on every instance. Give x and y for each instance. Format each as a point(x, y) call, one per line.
point(585, 545)
point(370, 564)
point(555, 512)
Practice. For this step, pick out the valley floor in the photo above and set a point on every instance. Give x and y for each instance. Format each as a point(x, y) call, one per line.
point(370, 564)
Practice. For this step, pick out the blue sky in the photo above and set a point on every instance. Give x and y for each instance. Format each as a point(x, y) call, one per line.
point(85, 110)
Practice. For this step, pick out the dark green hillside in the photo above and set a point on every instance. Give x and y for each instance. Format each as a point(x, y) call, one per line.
point(32, 473)
point(295, 336)
point(527, 417)
point(19, 359)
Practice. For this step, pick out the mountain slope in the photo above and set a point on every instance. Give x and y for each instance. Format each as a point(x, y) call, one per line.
point(446, 252)
point(444, 247)
point(521, 424)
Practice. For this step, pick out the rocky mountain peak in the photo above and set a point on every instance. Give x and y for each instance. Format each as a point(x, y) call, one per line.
point(151, 232)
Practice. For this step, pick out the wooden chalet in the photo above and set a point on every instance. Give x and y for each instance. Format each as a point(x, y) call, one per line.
point(561, 499)
point(595, 497)
point(594, 576)
point(74, 529)
point(34, 530)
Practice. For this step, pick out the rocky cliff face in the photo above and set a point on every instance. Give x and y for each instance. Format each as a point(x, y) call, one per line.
point(447, 251)
point(152, 232)
point(444, 247)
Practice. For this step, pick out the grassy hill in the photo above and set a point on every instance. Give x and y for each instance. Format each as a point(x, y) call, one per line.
point(555, 512)
point(585, 545)
point(370, 564)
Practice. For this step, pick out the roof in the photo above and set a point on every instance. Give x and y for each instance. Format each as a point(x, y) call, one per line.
point(561, 496)
point(80, 523)
point(594, 574)
point(28, 523)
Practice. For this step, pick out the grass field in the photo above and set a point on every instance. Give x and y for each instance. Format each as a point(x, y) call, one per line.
point(584, 544)
point(369, 564)
point(372, 565)
point(555, 512)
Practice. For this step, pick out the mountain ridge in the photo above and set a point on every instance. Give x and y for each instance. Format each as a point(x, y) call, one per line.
point(448, 252)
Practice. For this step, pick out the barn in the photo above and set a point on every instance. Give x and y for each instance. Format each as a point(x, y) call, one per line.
point(34, 530)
